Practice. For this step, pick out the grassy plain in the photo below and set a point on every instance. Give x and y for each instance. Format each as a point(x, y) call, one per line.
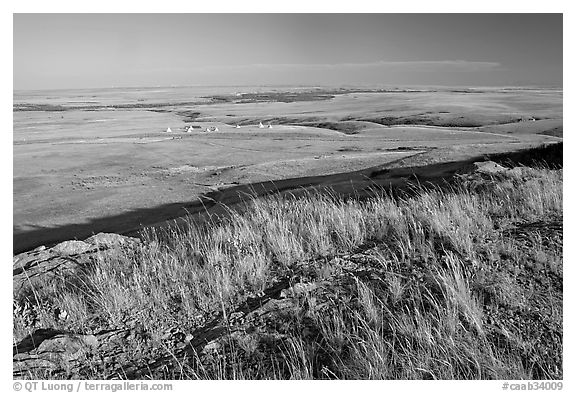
point(91, 161)
point(352, 240)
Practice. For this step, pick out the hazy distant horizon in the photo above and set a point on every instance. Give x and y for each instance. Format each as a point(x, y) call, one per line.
point(76, 51)
point(319, 86)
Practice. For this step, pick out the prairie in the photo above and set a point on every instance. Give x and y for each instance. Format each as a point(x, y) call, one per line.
point(99, 160)
point(364, 235)
point(458, 280)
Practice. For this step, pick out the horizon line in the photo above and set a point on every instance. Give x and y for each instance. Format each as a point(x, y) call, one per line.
point(318, 85)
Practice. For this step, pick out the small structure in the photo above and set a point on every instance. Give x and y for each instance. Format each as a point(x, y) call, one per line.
point(237, 125)
point(269, 125)
point(189, 128)
point(260, 125)
point(211, 129)
point(168, 129)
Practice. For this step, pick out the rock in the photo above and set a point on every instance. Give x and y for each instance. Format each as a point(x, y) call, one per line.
point(40, 266)
point(520, 172)
point(489, 167)
point(212, 346)
point(71, 247)
point(111, 240)
point(33, 270)
point(66, 347)
point(63, 353)
point(298, 289)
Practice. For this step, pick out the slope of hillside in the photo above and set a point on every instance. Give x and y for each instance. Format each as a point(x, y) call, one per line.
point(461, 280)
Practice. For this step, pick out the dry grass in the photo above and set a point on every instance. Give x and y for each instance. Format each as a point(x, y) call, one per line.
point(426, 310)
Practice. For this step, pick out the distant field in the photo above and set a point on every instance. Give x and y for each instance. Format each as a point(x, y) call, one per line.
point(102, 158)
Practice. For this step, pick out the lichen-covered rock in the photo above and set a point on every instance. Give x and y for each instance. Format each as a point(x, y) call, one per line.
point(72, 247)
point(66, 347)
point(489, 167)
point(111, 240)
point(48, 350)
point(34, 268)
point(39, 266)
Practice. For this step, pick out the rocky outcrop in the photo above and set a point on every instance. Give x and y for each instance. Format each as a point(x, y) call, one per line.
point(110, 240)
point(71, 247)
point(69, 354)
point(64, 259)
point(48, 350)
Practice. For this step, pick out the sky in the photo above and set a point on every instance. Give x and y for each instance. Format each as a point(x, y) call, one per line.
point(53, 51)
